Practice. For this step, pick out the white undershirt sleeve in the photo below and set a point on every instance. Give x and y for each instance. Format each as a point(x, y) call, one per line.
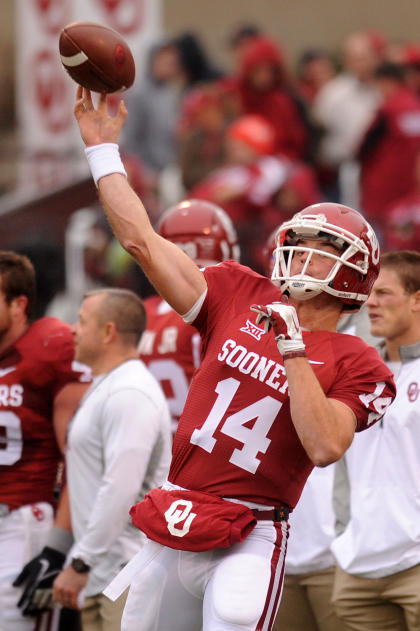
point(192, 314)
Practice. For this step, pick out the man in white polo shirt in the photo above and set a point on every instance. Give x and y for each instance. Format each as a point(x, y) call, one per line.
point(377, 584)
point(118, 448)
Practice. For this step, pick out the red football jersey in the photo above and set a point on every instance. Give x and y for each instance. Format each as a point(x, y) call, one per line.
point(235, 437)
point(170, 348)
point(32, 371)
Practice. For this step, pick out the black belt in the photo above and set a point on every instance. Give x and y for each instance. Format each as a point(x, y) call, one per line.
point(275, 514)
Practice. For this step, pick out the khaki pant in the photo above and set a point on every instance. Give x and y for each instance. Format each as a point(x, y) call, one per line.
point(99, 613)
point(306, 603)
point(391, 603)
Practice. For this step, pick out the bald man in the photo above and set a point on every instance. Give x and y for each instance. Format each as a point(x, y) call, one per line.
point(118, 448)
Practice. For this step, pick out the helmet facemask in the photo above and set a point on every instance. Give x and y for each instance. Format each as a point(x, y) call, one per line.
point(352, 258)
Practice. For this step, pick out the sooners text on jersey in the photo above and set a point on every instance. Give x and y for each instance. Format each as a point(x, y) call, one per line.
point(32, 371)
point(235, 437)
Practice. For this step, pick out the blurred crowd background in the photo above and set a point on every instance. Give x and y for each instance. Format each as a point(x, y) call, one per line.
point(262, 110)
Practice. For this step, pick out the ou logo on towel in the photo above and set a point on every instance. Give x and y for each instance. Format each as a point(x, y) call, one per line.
point(175, 516)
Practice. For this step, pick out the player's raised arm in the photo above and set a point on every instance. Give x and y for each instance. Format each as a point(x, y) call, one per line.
point(173, 274)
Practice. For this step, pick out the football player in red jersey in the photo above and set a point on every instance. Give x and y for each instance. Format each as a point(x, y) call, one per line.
point(170, 347)
point(39, 390)
point(261, 411)
point(309, 570)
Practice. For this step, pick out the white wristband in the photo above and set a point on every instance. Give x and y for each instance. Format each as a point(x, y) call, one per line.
point(103, 160)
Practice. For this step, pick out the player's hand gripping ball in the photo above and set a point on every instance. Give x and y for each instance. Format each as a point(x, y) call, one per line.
point(96, 57)
point(282, 319)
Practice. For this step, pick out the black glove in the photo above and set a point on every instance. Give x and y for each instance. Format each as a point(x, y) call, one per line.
point(37, 577)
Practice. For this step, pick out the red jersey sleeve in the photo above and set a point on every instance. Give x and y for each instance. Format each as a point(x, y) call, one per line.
point(365, 382)
point(225, 283)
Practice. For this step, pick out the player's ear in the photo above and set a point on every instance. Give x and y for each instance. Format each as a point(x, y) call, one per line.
point(415, 300)
point(19, 304)
point(110, 332)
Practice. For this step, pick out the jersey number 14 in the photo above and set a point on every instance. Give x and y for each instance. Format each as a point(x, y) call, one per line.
point(254, 439)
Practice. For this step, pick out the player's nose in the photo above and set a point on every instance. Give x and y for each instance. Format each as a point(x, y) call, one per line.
point(371, 301)
point(302, 256)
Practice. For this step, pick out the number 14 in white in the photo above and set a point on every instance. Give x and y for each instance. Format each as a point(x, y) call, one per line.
point(254, 439)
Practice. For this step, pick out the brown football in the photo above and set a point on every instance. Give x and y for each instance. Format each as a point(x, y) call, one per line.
point(96, 57)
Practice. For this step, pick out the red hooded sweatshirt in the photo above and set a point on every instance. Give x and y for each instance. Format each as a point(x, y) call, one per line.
point(276, 103)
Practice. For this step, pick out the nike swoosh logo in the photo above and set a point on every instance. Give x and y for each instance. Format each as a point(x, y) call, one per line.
point(312, 361)
point(43, 569)
point(5, 371)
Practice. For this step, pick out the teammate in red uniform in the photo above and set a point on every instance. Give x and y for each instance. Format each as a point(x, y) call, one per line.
point(39, 389)
point(262, 410)
point(170, 347)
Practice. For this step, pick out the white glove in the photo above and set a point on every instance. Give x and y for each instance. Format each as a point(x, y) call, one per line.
point(282, 318)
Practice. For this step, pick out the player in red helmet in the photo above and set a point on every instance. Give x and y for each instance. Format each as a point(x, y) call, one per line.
point(169, 346)
point(261, 412)
point(354, 257)
point(310, 568)
point(203, 230)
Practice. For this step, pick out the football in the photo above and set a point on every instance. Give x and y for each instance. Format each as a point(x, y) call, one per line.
point(96, 57)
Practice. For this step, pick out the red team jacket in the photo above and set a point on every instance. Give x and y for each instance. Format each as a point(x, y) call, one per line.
point(235, 437)
point(170, 348)
point(32, 371)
